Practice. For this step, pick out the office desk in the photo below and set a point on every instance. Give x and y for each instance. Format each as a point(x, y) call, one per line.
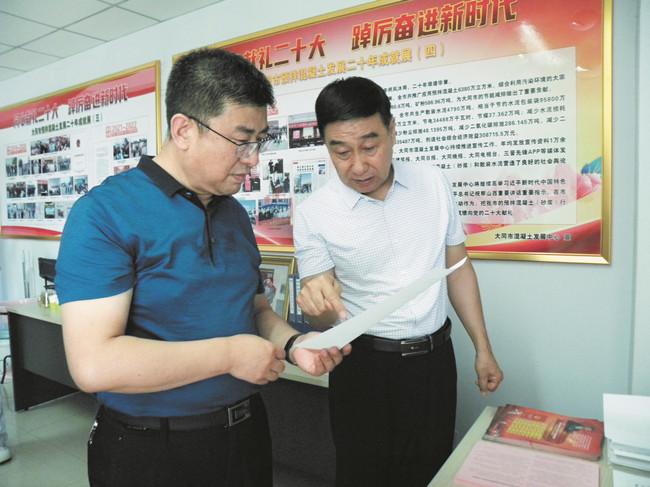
point(445, 476)
point(40, 372)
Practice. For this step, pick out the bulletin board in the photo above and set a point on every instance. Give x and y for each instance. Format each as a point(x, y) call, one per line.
point(56, 147)
point(511, 98)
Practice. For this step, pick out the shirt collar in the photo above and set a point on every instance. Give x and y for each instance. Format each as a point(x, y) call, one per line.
point(351, 197)
point(402, 177)
point(160, 177)
point(170, 186)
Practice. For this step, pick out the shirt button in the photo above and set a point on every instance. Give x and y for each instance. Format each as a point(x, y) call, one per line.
point(213, 240)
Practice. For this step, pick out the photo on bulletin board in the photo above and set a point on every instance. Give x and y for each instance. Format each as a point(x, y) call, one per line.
point(510, 98)
point(56, 147)
point(276, 272)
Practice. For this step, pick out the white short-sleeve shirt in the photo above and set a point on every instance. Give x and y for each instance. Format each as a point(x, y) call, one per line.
point(378, 247)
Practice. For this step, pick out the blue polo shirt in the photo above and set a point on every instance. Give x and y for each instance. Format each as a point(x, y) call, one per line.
point(194, 272)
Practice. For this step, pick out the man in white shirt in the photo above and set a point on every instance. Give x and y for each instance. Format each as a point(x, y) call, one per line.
point(361, 238)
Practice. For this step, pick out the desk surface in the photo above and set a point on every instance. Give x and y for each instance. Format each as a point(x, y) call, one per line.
point(37, 311)
point(53, 315)
point(445, 476)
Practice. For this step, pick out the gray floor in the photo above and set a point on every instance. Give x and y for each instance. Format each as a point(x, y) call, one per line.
point(49, 443)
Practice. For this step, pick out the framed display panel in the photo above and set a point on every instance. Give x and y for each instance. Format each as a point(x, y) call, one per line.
point(58, 146)
point(277, 272)
point(511, 98)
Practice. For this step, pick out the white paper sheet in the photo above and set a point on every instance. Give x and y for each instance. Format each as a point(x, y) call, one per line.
point(627, 420)
point(344, 333)
point(629, 479)
point(494, 465)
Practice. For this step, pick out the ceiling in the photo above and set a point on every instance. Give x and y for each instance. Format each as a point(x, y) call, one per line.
point(34, 33)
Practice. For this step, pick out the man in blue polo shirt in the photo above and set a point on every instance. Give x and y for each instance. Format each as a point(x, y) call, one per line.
point(164, 314)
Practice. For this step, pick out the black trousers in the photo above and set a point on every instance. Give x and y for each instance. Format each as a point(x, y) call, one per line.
point(392, 416)
point(239, 456)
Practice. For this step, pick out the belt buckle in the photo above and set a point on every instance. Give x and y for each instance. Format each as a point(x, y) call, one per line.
point(239, 412)
point(416, 346)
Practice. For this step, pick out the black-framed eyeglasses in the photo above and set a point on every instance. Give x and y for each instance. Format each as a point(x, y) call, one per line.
point(244, 149)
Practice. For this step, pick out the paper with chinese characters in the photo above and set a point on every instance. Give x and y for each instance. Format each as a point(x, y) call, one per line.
point(495, 465)
point(56, 148)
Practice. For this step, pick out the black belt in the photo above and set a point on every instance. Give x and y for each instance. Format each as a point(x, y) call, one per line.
point(225, 418)
point(408, 347)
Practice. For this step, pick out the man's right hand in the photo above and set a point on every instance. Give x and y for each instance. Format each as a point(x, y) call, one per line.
point(320, 298)
point(255, 359)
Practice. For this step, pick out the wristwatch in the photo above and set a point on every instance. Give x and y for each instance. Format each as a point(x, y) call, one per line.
point(288, 345)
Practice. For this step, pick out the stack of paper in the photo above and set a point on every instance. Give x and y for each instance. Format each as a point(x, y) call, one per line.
point(627, 428)
point(624, 478)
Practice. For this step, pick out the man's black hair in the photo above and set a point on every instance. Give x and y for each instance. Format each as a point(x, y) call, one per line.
point(203, 81)
point(351, 98)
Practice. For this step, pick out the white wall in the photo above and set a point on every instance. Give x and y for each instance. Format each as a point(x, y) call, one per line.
point(641, 364)
point(563, 333)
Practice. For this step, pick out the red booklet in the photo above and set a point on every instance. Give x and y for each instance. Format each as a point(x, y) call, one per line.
point(517, 425)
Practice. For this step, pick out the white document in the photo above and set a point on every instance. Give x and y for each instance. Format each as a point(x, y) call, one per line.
point(627, 420)
point(344, 333)
point(629, 479)
point(628, 456)
point(491, 464)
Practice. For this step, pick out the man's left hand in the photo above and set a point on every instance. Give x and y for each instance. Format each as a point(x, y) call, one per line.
point(318, 362)
point(489, 375)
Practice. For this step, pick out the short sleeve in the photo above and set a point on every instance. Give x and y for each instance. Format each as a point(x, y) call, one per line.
point(455, 232)
point(247, 229)
point(311, 251)
point(93, 260)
